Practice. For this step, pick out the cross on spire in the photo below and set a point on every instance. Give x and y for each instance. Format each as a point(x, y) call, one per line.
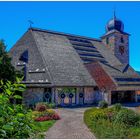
point(30, 23)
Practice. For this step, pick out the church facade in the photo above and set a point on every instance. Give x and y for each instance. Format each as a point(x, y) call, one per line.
point(71, 70)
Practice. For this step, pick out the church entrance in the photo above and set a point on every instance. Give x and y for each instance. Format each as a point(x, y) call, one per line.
point(47, 96)
point(122, 97)
point(67, 97)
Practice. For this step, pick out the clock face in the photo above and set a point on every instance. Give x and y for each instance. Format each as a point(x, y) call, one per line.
point(121, 49)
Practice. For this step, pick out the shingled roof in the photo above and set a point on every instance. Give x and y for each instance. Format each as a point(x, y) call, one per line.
point(58, 59)
point(52, 60)
point(124, 76)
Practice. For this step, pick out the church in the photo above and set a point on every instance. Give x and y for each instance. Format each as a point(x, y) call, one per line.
point(73, 70)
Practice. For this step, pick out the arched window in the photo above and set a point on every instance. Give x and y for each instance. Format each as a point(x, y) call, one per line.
point(121, 49)
point(122, 40)
point(24, 56)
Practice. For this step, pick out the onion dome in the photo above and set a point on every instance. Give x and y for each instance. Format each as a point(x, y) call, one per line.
point(116, 24)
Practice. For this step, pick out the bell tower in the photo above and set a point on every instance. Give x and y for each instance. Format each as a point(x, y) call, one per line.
point(117, 40)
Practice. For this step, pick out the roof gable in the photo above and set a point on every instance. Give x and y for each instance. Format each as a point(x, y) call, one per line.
point(59, 59)
point(25, 52)
point(62, 61)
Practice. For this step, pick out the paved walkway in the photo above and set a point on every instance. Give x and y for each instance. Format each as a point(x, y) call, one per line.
point(71, 125)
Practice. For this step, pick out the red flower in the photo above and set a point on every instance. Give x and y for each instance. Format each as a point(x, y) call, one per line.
point(47, 118)
point(55, 116)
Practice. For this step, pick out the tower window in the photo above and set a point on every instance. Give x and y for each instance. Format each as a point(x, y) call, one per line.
point(107, 40)
point(121, 49)
point(122, 40)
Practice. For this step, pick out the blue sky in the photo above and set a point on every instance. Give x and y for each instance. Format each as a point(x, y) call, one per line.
point(81, 18)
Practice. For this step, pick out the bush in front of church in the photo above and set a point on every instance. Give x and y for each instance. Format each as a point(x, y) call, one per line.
point(40, 107)
point(15, 120)
point(103, 104)
point(115, 122)
point(127, 117)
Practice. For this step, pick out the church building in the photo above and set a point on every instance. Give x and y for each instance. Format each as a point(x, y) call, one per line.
point(72, 70)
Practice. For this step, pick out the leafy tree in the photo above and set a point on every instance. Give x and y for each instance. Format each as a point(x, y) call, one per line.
point(15, 119)
point(7, 71)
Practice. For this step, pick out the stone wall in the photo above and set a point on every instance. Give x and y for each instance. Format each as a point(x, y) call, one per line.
point(89, 95)
point(123, 57)
point(33, 95)
point(111, 42)
point(114, 43)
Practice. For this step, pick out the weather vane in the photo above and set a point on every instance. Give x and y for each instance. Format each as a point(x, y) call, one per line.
point(30, 23)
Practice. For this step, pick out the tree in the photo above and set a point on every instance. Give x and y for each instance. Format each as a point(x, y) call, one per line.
point(15, 120)
point(7, 71)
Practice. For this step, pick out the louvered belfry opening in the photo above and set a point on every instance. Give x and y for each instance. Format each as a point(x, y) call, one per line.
point(86, 50)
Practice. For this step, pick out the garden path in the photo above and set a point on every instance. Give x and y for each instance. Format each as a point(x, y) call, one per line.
point(70, 126)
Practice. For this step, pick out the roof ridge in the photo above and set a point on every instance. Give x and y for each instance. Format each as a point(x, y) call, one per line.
point(62, 33)
point(112, 31)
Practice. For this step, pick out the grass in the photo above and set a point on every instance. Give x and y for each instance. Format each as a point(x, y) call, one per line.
point(138, 109)
point(106, 129)
point(42, 127)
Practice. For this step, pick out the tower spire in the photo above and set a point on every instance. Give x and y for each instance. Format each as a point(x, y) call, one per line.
point(114, 13)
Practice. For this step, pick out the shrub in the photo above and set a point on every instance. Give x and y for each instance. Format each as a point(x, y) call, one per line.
point(56, 117)
point(98, 114)
point(110, 112)
point(103, 104)
point(127, 117)
point(7, 71)
point(134, 133)
point(117, 107)
point(15, 120)
point(50, 112)
point(36, 114)
point(104, 128)
point(40, 107)
point(50, 105)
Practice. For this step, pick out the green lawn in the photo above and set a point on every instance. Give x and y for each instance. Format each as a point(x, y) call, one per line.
point(42, 127)
point(105, 129)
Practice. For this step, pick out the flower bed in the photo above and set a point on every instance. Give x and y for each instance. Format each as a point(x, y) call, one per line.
point(47, 118)
point(46, 115)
